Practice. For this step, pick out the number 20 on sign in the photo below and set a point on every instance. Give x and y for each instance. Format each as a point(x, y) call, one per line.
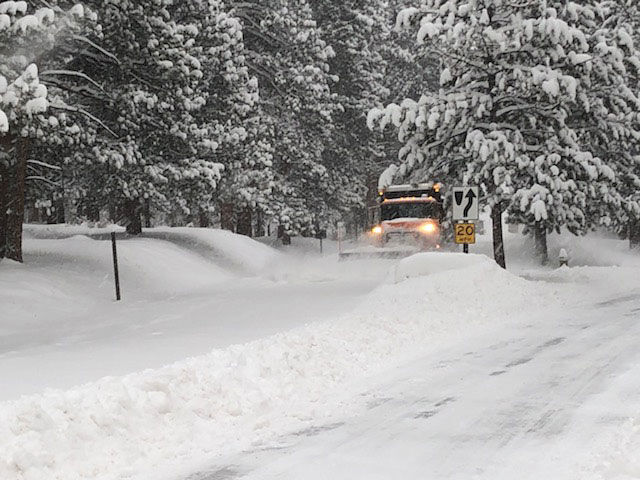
point(465, 233)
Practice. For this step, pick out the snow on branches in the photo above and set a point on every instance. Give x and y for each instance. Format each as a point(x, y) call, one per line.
point(24, 97)
point(531, 94)
point(25, 36)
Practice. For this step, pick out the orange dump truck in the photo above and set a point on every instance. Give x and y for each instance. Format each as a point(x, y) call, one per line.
point(409, 215)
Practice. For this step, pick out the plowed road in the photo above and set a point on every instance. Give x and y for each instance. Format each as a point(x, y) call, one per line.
point(520, 403)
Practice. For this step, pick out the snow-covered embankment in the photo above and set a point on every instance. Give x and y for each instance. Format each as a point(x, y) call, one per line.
point(235, 396)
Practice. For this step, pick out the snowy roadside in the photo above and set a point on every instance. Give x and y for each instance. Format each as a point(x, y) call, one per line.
point(601, 442)
point(182, 296)
point(222, 402)
point(227, 249)
point(616, 450)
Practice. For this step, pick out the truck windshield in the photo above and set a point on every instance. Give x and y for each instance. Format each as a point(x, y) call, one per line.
point(391, 211)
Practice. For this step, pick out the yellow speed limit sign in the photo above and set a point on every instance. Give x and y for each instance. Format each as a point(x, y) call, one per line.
point(465, 233)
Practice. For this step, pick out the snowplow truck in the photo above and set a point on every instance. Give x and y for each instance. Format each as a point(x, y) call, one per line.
point(409, 215)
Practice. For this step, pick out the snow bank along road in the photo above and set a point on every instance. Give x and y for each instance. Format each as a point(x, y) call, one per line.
point(451, 368)
point(188, 292)
point(551, 393)
point(518, 402)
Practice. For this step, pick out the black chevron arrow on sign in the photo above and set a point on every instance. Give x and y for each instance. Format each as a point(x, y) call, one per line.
point(470, 196)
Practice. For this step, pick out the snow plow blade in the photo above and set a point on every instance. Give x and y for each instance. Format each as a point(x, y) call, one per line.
point(369, 253)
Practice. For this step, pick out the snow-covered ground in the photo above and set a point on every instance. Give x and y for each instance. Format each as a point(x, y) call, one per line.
point(183, 295)
point(435, 366)
point(523, 400)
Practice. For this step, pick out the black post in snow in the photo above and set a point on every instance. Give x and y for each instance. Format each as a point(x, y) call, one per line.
point(115, 264)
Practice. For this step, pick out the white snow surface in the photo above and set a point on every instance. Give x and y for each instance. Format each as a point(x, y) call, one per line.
point(124, 425)
point(431, 263)
point(266, 385)
point(67, 230)
point(146, 266)
point(60, 326)
point(241, 251)
point(4, 122)
point(236, 251)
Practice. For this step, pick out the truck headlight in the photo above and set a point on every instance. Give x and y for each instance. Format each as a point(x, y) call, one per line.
point(427, 228)
point(377, 230)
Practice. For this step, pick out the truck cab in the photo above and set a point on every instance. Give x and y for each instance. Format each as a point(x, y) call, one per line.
point(409, 215)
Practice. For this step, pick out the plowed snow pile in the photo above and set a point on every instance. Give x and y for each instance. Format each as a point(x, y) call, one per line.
point(232, 397)
point(147, 266)
point(66, 283)
point(232, 250)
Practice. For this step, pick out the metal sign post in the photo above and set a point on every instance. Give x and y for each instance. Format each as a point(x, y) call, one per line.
point(116, 275)
point(321, 235)
point(341, 232)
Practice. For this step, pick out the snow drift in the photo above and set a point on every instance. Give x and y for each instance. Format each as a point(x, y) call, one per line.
point(226, 249)
point(429, 263)
point(221, 402)
point(237, 252)
point(147, 266)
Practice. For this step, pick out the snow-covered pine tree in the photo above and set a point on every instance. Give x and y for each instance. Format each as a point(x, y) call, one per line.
point(515, 100)
point(408, 70)
point(233, 103)
point(182, 108)
point(152, 86)
point(26, 39)
point(623, 16)
point(357, 32)
point(290, 59)
point(602, 120)
point(73, 121)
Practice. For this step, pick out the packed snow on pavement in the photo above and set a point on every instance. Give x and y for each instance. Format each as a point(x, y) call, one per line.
point(309, 367)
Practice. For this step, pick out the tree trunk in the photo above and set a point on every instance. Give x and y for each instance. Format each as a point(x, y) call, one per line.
point(4, 187)
point(283, 235)
point(203, 219)
point(92, 211)
point(132, 213)
point(60, 213)
point(245, 225)
point(498, 239)
point(113, 210)
point(634, 234)
point(16, 197)
point(541, 251)
point(147, 213)
point(260, 232)
point(226, 217)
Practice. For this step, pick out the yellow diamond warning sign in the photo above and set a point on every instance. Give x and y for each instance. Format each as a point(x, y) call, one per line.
point(465, 233)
